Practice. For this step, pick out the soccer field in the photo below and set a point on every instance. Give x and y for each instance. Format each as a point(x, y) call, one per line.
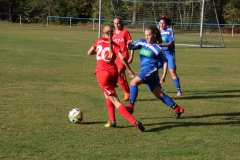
point(45, 72)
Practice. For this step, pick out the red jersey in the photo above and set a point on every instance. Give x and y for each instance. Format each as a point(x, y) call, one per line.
point(121, 39)
point(104, 60)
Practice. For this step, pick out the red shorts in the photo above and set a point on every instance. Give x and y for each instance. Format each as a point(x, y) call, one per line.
point(107, 80)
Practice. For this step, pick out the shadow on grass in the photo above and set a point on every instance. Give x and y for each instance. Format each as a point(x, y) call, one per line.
point(102, 123)
point(234, 114)
point(91, 123)
point(231, 119)
point(189, 95)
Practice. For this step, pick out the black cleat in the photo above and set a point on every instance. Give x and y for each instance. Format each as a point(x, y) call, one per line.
point(130, 108)
point(140, 126)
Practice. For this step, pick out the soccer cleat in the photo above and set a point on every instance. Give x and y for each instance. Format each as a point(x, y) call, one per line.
point(179, 93)
point(178, 111)
point(126, 96)
point(140, 126)
point(130, 108)
point(110, 124)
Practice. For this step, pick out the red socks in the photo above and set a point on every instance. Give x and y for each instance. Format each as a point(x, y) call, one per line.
point(123, 83)
point(111, 110)
point(124, 112)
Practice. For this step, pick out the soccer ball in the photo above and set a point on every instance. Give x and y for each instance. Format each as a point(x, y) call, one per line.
point(75, 115)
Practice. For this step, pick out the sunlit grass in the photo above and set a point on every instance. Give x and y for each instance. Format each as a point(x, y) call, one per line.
point(45, 72)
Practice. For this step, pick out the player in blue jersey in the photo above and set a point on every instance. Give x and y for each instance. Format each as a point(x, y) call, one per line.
point(169, 49)
point(151, 58)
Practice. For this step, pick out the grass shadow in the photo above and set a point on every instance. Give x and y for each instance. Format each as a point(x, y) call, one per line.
point(231, 119)
point(189, 95)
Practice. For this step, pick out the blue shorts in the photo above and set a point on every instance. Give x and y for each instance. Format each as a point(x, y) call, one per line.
point(150, 78)
point(171, 60)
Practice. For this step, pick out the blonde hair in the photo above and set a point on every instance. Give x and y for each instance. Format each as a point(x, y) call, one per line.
point(120, 20)
point(108, 30)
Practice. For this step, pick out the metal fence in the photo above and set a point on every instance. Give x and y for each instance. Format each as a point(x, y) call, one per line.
point(93, 23)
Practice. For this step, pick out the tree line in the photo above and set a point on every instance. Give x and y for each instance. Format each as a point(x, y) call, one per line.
point(228, 11)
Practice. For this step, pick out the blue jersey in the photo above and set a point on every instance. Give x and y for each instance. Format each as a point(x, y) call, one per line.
point(167, 36)
point(151, 55)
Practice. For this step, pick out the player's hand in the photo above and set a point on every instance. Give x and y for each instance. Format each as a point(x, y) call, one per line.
point(162, 80)
point(130, 60)
point(131, 74)
point(129, 41)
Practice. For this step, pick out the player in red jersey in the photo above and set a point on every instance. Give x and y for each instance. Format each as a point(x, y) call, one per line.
point(121, 36)
point(107, 74)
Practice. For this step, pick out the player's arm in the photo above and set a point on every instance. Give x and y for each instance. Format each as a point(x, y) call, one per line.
point(170, 40)
point(131, 46)
point(166, 44)
point(163, 60)
point(131, 56)
point(123, 59)
point(162, 79)
point(92, 51)
point(129, 40)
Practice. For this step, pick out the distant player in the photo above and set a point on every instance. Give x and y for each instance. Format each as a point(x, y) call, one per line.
point(168, 45)
point(121, 36)
point(151, 59)
point(107, 74)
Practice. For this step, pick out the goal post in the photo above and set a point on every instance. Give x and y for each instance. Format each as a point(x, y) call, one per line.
point(195, 21)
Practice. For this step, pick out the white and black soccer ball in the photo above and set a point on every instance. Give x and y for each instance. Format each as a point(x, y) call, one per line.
point(75, 115)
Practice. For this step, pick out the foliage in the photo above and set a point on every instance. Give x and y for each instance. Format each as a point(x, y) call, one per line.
point(232, 12)
point(227, 10)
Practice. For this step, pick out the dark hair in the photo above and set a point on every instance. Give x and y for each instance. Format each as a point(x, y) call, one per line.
point(168, 21)
point(155, 30)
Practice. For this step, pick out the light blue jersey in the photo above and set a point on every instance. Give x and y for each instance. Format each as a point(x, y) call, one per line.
point(151, 55)
point(167, 36)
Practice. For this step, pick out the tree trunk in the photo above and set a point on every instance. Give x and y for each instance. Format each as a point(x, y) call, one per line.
point(134, 14)
point(10, 10)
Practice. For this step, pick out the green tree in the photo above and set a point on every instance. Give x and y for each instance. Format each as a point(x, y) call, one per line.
point(219, 7)
point(231, 12)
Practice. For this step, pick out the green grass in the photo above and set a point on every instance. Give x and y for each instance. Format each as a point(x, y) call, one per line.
point(45, 72)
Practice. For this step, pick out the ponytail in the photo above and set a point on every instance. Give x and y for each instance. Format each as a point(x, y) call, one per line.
point(154, 30)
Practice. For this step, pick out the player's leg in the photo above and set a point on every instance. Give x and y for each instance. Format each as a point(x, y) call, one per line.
point(124, 112)
point(106, 81)
point(135, 82)
point(111, 113)
point(172, 69)
point(176, 81)
point(122, 80)
point(166, 99)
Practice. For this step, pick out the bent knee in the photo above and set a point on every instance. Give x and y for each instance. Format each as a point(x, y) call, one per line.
point(136, 81)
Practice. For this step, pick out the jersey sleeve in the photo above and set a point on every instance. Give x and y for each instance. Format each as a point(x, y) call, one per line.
point(171, 36)
point(95, 44)
point(137, 44)
point(128, 36)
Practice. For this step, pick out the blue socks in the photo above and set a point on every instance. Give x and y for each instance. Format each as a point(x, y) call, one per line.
point(133, 94)
point(167, 100)
point(177, 84)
